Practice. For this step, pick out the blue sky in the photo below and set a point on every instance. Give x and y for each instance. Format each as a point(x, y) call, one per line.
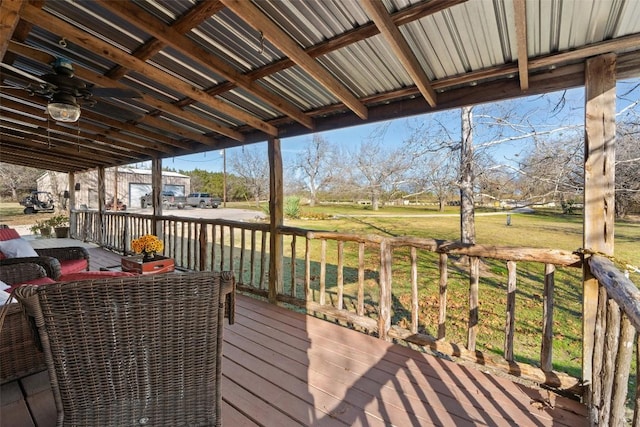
point(536, 107)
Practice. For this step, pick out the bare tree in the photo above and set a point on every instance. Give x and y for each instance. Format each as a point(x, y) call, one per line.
point(435, 173)
point(467, 179)
point(379, 169)
point(316, 164)
point(252, 166)
point(15, 179)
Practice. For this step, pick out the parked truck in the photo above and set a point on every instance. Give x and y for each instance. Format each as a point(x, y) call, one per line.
point(169, 200)
point(202, 200)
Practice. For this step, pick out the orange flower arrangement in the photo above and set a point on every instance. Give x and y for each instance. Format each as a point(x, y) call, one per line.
point(147, 245)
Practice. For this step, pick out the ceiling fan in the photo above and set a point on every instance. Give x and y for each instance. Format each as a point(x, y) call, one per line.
point(66, 92)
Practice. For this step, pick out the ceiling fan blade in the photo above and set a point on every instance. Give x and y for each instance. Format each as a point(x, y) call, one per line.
point(114, 92)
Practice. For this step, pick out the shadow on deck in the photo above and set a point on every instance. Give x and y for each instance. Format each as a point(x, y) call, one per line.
point(282, 368)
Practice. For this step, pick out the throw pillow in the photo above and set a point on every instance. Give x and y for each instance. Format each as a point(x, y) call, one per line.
point(17, 248)
point(4, 295)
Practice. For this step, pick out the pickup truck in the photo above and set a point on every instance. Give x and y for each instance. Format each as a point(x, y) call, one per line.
point(202, 200)
point(169, 200)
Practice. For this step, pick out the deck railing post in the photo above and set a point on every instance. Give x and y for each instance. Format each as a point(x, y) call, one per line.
point(546, 351)
point(384, 313)
point(474, 302)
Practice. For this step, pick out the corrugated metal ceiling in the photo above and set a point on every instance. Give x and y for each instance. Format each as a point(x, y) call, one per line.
point(471, 43)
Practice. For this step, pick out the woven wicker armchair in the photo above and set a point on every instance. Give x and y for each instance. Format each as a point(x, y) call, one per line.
point(133, 350)
point(20, 272)
point(19, 353)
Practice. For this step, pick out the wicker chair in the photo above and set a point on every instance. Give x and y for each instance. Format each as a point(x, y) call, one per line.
point(55, 261)
point(19, 353)
point(133, 350)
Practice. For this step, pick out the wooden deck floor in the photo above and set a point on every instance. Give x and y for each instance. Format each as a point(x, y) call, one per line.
point(282, 368)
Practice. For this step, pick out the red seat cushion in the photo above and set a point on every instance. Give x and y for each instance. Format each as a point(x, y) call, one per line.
point(73, 266)
point(8, 234)
point(39, 281)
point(90, 275)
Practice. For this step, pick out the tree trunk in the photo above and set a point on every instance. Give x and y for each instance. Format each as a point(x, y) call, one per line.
point(467, 178)
point(375, 201)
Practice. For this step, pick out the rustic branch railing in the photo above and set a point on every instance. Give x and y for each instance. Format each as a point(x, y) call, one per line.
point(243, 247)
point(617, 326)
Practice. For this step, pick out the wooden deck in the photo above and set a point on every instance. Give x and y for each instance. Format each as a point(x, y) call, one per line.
point(282, 368)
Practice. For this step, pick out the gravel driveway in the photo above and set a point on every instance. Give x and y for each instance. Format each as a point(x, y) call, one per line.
point(234, 214)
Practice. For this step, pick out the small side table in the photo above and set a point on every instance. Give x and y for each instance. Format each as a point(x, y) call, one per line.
point(160, 264)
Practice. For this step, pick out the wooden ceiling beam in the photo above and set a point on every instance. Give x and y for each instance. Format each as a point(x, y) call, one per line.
point(377, 11)
point(192, 18)
point(520, 18)
point(260, 22)
point(167, 35)
point(154, 103)
point(9, 18)
point(618, 45)
point(93, 44)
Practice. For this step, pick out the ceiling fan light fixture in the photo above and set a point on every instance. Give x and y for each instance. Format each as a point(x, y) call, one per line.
point(63, 108)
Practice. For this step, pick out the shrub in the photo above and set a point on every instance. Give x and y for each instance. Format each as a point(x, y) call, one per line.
point(292, 207)
point(58, 221)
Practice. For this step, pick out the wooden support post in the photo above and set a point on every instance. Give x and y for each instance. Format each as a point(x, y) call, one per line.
point(599, 177)
point(156, 185)
point(101, 207)
point(71, 203)
point(276, 210)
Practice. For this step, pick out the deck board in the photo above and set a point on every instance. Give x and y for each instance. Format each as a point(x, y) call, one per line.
point(283, 368)
point(352, 366)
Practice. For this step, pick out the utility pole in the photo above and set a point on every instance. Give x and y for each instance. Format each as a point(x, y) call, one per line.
point(224, 178)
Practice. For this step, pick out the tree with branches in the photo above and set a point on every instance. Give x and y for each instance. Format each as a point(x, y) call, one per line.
point(379, 169)
point(252, 167)
point(316, 165)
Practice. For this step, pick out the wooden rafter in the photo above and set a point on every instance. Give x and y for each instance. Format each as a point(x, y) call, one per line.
point(100, 80)
point(71, 33)
point(401, 17)
point(169, 36)
point(189, 20)
point(377, 11)
point(9, 18)
point(96, 133)
point(260, 22)
point(521, 33)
